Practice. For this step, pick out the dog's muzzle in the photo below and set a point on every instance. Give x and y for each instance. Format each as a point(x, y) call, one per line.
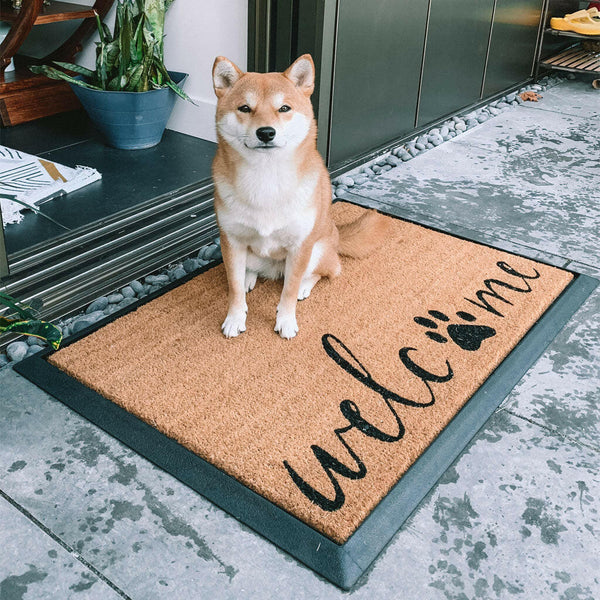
point(265, 134)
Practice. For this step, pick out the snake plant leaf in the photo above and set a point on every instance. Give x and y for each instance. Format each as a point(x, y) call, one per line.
point(154, 11)
point(101, 31)
point(108, 37)
point(76, 69)
point(138, 49)
point(124, 34)
point(148, 73)
point(180, 92)
point(117, 83)
point(36, 328)
point(113, 57)
point(53, 73)
point(134, 76)
point(101, 65)
point(169, 82)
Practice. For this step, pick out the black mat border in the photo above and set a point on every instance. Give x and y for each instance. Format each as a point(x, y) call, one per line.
point(340, 564)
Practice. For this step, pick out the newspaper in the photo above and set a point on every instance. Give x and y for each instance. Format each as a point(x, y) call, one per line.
point(27, 181)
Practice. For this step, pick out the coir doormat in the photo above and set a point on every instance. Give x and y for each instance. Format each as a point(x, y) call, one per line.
point(327, 442)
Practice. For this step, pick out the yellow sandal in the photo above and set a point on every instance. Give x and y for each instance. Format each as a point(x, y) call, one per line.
point(594, 12)
point(578, 22)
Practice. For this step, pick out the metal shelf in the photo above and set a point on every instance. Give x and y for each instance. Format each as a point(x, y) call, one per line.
point(571, 34)
point(574, 59)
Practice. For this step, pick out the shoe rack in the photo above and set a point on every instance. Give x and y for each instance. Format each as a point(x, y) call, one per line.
point(25, 96)
point(574, 58)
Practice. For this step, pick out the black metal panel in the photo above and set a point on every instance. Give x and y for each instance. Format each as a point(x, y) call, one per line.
point(457, 42)
point(279, 31)
point(512, 47)
point(259, 22)
point(377, 67)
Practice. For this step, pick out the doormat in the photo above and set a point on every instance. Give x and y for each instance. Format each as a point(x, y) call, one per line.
point(325, 443)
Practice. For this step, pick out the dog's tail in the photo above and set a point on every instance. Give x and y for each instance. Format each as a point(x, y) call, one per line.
point(360, 238)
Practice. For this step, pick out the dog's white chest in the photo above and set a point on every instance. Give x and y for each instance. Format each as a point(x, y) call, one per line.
point(268, 210)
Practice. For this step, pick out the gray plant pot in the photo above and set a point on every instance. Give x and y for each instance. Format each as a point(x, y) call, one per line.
point(130, 120)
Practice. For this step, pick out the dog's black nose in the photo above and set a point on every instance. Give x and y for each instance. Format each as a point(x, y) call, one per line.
point(265, 134)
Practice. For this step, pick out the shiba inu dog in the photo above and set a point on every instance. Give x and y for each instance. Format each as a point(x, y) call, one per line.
point(273, 192)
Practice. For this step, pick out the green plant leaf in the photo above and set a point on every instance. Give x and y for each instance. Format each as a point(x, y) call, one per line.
point(23, 310)
point(117, 83)
point(36, 328)
point(123, 33)
point(53, 73)
point(170, 83)
point(154, 11)
point(180, 92)
point(101, 30)
point(76, 69)
point(138, 48)
point(101, 65)
point(134, 76)
point(113, 59)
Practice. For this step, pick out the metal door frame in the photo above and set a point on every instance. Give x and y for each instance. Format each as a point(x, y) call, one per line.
point(281, 30)
point(4, 269)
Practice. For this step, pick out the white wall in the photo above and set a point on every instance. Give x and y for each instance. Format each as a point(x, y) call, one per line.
point(195, 32)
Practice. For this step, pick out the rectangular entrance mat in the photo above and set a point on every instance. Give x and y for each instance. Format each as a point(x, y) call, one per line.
point(325, 443)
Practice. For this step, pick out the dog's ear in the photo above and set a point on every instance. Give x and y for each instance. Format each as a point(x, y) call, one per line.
point(225, 74)
point(302, 74)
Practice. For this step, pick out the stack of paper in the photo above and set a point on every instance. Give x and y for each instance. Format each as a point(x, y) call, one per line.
point(27, 181)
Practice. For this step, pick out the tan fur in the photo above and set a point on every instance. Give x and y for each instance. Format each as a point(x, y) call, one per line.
point(273, 196)
point(363, 236)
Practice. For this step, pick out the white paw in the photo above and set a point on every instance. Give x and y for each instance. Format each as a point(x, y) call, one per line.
point(251, 277)
point(234, 324)
point(306, 286)
point(286, 326)
point(304, 291)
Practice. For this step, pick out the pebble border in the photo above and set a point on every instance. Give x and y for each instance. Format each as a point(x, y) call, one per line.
point(135, 290)
point(106, 305)
point(439, 134)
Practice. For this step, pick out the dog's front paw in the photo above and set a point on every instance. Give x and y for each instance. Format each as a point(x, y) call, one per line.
point(234, 324)
point(286, 326)
point(250, 280)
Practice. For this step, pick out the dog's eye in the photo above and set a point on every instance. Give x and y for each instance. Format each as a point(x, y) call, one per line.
point(244, 108)
point(285, 108)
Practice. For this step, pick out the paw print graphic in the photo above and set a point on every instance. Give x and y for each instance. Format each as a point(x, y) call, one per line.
point(467, 335)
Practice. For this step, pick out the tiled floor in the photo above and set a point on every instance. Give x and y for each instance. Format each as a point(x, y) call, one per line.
point(516, 515)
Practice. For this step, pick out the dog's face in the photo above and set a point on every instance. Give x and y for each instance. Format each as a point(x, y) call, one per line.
point(264, 113)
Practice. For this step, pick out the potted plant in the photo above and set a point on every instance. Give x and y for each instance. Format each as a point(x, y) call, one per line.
point(130, 95)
